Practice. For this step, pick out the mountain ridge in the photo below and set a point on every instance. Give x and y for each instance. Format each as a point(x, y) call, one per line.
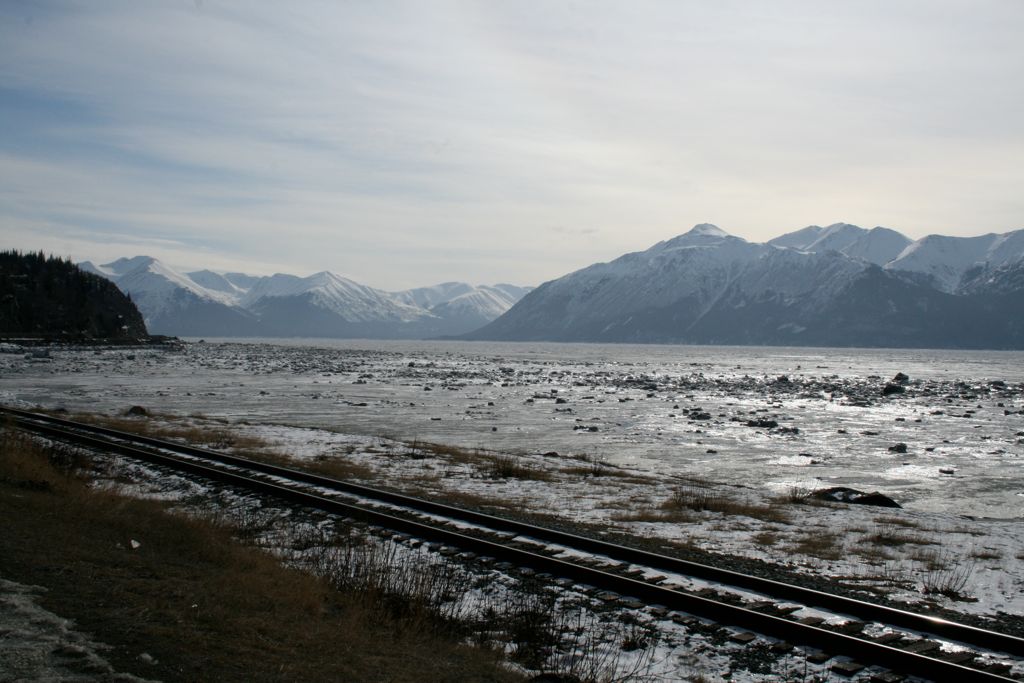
point(841, 285)
point(324, 304)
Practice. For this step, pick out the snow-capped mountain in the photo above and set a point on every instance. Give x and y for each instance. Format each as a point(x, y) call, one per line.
point(947, 260)
point(173, 303)
point(348, 300)
point(206, 303)
point(207, 279)
point(835, 286)
point(878, 245)
point(472, 306)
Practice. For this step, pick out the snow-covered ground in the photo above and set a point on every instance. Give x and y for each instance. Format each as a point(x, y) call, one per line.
point(37, 646)
point(673, 424)
point(664, 410)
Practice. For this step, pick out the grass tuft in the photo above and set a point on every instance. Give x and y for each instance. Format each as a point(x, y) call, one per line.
point(698, 495)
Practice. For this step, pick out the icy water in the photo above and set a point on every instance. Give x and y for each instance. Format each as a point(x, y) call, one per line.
point(770, 418)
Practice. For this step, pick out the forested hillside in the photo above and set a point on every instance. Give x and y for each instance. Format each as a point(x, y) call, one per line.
point(47, 296)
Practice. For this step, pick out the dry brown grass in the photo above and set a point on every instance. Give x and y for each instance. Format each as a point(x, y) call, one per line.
point(654, 515)
point(336, 467)
point(930, 559)
point(894, 521)
point(891, 536)
point(701, 496)
point(873, 555)
point(453, 454)
point(205, 607)
point(823, 545)
point(217, 438)
point(511, 467)
point(592, 467)
point(765, 538)
point(488, 465)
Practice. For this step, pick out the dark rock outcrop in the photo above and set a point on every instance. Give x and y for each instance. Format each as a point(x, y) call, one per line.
point(841, 494)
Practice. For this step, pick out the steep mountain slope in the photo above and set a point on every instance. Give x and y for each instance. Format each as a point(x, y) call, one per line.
point(709, 287)
point(47, 296)
point(946, 260)
point(623, 300)
point(209, 280)
point(174, 304)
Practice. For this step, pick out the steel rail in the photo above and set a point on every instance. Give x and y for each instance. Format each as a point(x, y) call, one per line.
point(832, 642)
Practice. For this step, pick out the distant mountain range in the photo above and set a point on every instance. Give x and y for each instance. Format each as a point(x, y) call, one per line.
point(206, 303)
point(840, 285)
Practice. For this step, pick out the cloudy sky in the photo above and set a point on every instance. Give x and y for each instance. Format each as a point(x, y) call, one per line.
point(407, 143)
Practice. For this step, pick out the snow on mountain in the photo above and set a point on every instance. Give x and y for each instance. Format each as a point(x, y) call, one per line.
point(878, 245)
point(483, 303)
point(681, 278)
point(799, 239)
point(204, 302)
point(706, 286)
point(514, 292)
point(242, 280)
point(152, 278)
point(173, 303)
point(349, 300)
point(90, 267)
point(116, 269)
point(428, 297)
point(946, 260)
point(216, 282)
point(472, 305)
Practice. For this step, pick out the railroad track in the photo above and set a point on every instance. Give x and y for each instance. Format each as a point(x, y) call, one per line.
point(911, 643)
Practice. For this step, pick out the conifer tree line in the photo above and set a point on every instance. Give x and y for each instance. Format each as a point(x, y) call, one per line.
point(50, 296)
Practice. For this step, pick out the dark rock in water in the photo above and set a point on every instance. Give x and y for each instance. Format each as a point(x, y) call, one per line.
point(136, 410)
point(898, 448)
point(841, 494)
point(551, 454)
point(763, 422)
point(700, 416)
point(900, 378)
point(890, 389)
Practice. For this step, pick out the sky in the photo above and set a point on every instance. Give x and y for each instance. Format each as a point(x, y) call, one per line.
point(403, 144)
